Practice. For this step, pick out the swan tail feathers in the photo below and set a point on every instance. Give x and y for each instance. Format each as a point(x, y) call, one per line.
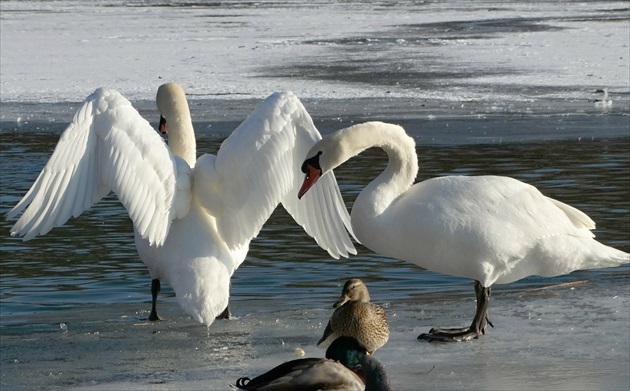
point(591, 255)
point(205, 293)
point(577, 217)
point(611, 257)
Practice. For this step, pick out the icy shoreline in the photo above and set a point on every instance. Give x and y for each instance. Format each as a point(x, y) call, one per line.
point(565, 337)
point(451, 72)
point(517, 51)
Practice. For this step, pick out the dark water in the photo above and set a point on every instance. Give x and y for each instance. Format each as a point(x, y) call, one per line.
point(91, 262)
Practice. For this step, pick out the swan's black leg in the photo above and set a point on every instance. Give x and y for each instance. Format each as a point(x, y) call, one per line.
point(155, 289)
point(226, 314)
point(478, 327)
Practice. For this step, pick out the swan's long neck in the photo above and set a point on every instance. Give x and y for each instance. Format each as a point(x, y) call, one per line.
point(173, 106)
point(181, 137)
point(401, 170)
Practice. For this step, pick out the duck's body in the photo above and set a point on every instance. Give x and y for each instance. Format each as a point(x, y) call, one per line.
point(355, 316)
point(346, 367)
point(193, 218)
point(492, 229)
point(305, 374)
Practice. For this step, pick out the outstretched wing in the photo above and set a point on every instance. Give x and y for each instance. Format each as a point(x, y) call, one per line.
point(108, 146)
point(259, 166)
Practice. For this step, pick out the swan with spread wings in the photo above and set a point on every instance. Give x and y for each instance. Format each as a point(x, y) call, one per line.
point(193, 218)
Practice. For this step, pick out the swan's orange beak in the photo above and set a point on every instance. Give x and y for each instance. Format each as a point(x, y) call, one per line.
point(312, 175)
point(162, 127)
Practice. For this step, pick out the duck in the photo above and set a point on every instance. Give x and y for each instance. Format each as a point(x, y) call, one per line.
point(347, 366)
point(356, 317)
point(193, 218)
point(492, 229)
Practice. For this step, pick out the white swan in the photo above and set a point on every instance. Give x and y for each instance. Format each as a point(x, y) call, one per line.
point(492, 229)
point(606, 101)
point(193, 219)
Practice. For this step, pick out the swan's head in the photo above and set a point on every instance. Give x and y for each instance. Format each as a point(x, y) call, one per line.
point(334, 149)
point(324, 156)
point(353, 290)
point(172, 105)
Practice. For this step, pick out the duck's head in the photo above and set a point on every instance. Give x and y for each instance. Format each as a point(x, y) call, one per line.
point(351, 354)
point(347, 350)
point(353, 290)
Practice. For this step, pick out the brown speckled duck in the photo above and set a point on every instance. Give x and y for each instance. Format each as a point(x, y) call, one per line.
point(356, 317)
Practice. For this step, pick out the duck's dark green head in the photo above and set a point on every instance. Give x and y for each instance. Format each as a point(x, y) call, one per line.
point(347, 350)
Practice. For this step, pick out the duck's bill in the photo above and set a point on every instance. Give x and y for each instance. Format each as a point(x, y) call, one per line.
point(342, 300)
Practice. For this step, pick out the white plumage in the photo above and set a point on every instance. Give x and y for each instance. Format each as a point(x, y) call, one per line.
point(193, 219)
point(605, 102)
point(492, 229)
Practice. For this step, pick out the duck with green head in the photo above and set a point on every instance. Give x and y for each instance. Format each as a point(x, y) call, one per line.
point(347, 366)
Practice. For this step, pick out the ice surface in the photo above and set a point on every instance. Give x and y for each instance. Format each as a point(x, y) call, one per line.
point(565, 338)
point(428, 58)
point(454, 50)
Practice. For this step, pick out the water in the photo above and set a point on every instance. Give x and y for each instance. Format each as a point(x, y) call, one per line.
point(503, 88)
point(81, 291)
point(92, 259)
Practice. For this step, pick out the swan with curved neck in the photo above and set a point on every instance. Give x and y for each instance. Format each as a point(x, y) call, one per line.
point(492, 229)
point(193, 218)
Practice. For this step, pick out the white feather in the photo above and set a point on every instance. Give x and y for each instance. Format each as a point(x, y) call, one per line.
point(488, 228)
point(80, 171)
point(193, 225)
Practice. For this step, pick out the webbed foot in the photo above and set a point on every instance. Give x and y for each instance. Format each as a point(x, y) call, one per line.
point(477, 328)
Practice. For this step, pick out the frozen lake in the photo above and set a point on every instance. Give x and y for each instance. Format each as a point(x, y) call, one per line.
point(503, 88)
